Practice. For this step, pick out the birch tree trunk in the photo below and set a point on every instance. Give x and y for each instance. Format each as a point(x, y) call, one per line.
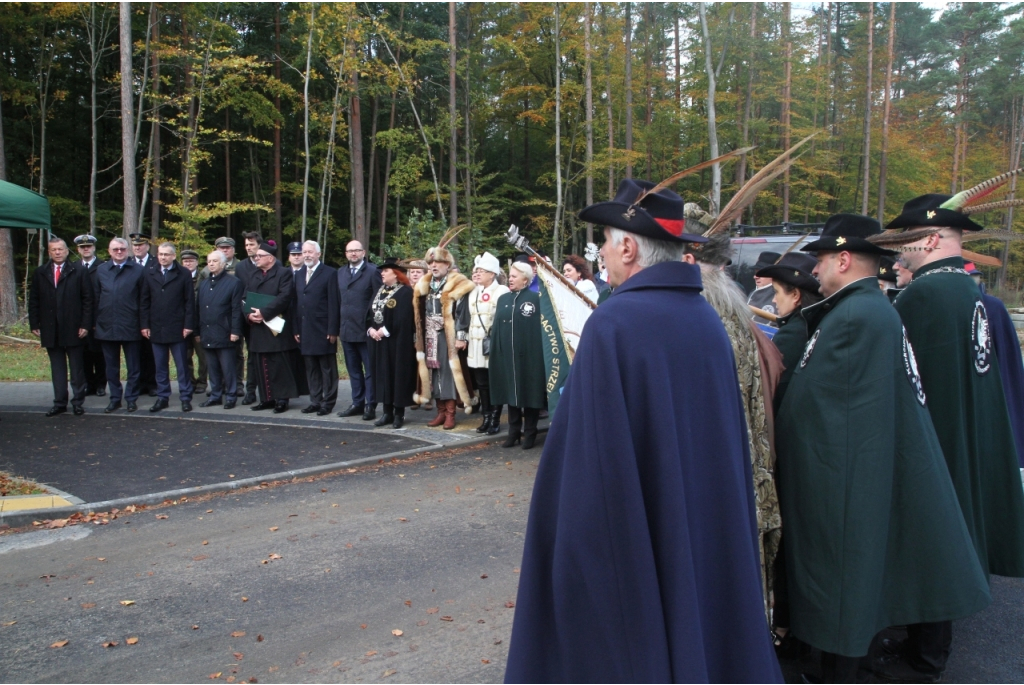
point(589, 88)
point(154, 220)
point(557, 246)
point(741, 166)
point(787, 94)
point(453, 194)
point(883, 170)
point(8, 283)
point(305, 125)
point(629, 88)
point(277, 129)
point(716, 170)
point(468, 144)
point(866, 155)
point(131, 220)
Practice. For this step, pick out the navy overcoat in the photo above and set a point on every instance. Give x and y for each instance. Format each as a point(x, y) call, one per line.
point(641, 557)
point(1011, 368)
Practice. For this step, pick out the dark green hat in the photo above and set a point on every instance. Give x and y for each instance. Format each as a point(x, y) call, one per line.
point(848, 233)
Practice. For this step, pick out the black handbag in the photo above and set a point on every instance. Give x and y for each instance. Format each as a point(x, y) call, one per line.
point(487, 340)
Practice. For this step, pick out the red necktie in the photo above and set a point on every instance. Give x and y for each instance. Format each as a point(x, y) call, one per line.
point(56, 275)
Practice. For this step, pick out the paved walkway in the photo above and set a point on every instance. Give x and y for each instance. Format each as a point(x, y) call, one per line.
point(98, 461)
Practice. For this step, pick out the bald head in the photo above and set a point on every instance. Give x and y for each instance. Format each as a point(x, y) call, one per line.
point(354, 252)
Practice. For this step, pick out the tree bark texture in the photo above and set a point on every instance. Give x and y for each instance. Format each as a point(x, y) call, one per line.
point(883, 170)
point(131, 221)
point(866, 155)
point(453, 194)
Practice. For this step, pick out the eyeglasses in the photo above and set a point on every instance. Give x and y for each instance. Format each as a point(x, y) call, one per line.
point(119, 249)
point(261, 256)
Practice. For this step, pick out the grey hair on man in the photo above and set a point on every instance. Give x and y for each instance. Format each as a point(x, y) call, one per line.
point(216, 256)
point(170, 246)
point(315, 244)
point(119, 241)
point(649, 250)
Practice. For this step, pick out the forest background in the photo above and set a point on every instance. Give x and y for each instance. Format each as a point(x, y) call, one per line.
point(390, 122)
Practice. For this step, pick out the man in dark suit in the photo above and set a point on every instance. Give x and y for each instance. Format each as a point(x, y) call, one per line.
point(196, 372)
point(168, 324)
point(317, 323)
point(121, 300)
point(219, 325)
point(147, 366)
point(92, 352)
point(280, 375)
point(60, 313)
point(358, 282)
point(244, 268)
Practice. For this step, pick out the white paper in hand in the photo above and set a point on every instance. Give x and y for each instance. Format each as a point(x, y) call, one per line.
point(276, 325)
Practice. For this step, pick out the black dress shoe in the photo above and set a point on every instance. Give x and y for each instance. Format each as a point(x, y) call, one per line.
point(113, 406)
point(369, 413)
point(211, 403)
point(230, 404)
point(324, 411)
point(186, 406)
point(384, 419)
point(280, 406)
point(249, 399)
point(100, 392)
point(78, 411)
point(132, 406)
point(311, 408)
point(353, 410)
point(262, 405)
point(54, 410)
point(399, 421)
point(157, 406)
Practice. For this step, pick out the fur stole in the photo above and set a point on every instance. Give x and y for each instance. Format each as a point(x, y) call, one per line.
point(456, 288)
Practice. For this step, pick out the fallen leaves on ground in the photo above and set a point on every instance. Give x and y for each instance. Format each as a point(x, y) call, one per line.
point(245, 599)
point(372, 653)
point(7, 624)
point(161, 516)
point(259, 638)
point(408, 602)
point(433, 610)
point(421, 623)
point(10, 486)
point(109, 644)
point(59, 643)
point(447, 618)
point(132, 641)
point(195, 626)
point(214, 676)
point(273, 529)
point(89, 605)
point(397, 633)
point(200, 557)
point(238, 633)
point(510, 604)
point(206, 542)
point(127, 602)
point(389, 672)
point(362, 626)
point(485, 661)
point(238, 656)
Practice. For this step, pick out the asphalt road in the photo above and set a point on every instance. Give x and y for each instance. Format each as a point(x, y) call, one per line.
point(428, 546)
point(100, 458)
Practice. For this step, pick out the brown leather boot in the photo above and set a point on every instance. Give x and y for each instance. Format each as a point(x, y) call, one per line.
point(449, 409)
point(441, 415)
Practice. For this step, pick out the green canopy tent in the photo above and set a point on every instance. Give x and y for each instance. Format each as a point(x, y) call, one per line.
point(23, 208)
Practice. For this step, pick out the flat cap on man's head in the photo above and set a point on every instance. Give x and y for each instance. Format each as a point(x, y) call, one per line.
point(185, 254)
point(138, 239)
point(295, 248)
point(85, 239)
point(224, 240)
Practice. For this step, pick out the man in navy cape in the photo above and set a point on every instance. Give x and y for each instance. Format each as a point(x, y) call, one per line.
point(641, 557)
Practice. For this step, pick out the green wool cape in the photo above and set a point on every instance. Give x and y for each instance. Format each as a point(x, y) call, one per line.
point(790, 341)
point(874, 534)
point(516, 363)
point(947, 324)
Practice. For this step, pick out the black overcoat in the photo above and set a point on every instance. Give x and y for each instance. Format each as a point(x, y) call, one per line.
point(171, 304)
point(1011, 367)
point(317, 310)
point(121, 300)
point(59, 312)
point(276, 281)
point(93, 271)
point(516, 363)
point(393, 359)
point(219, 311)
point(790, 341)
point(356, 293)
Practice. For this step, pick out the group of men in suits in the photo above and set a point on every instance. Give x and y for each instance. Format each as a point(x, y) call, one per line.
point(88, 313)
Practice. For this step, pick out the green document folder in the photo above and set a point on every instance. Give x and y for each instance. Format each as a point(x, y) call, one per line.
point(256, 301)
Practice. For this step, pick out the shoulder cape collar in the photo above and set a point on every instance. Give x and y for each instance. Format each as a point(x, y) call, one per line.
point(946, 264)
point(665, 276)
point(815, 312)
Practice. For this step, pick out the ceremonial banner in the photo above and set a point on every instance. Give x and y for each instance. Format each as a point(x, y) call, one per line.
point(563, 314)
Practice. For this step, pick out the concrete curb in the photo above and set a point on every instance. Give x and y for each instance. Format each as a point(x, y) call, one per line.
point(18, 519)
